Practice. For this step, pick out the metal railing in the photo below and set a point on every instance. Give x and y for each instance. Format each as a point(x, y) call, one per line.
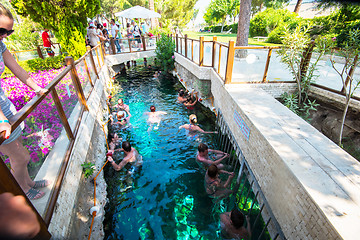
point(250, 198)
point(93, 60)
point(38, 50)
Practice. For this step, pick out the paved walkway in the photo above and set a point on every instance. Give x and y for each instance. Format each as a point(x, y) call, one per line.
point(251, 69)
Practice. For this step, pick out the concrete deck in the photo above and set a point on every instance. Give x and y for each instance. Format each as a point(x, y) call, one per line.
point(329, 174)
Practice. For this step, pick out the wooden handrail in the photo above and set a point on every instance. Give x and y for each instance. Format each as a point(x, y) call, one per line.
point(201, 51)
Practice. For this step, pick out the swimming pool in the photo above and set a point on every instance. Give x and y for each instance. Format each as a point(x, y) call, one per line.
point(166, 199)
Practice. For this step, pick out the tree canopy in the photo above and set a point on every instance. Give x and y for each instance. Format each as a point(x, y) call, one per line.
point(218, 10)
point(67, 18)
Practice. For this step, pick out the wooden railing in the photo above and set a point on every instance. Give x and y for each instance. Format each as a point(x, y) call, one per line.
point(183, 48)
point(7, 181)
point(147, 43)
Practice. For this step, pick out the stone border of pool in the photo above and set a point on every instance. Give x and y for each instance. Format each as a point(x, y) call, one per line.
point(311, 184)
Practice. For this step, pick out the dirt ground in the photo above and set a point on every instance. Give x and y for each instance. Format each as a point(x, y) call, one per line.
point(327, 119)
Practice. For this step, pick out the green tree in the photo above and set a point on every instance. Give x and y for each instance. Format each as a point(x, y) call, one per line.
point(175, 12)
point(220, 9)
point(68, 19)
point(110, 7)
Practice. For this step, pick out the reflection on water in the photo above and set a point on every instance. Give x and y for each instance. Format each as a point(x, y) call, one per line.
point(166, 199)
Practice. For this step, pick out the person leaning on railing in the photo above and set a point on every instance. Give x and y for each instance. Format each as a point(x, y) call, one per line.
point(12, 146)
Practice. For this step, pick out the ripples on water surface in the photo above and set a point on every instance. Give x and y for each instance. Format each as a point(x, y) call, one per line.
point(166, 199)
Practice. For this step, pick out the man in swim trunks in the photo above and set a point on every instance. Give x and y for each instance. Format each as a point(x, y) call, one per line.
point(121, 106)
point(213, 185)
point(132, 156)
point(232, 225)
point(154, 116)
point(203, 158)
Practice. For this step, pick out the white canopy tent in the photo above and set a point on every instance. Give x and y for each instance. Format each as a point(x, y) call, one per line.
point(138, 12)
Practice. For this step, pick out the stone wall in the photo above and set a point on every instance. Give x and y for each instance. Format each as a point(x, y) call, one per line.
point(65, 209)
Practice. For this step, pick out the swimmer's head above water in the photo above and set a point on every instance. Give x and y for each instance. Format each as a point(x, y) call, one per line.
point(120, 102)
point(202, 147)
point(181, 93)
point(152, 108)
point(237, 218)
point(213, 171)
point(120, 115)
point(126, 146)
point(193, 119)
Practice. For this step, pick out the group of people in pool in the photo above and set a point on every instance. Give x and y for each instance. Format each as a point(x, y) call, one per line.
point(232, 223)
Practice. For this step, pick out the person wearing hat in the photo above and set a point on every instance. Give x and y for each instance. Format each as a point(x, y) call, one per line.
point(93, 36)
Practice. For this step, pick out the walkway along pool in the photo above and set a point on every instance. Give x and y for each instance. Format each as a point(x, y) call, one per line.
point(166, 199)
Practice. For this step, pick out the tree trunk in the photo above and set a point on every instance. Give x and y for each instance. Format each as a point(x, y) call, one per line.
point(297, 6)
point(154, 21)
point(243, 27)
point(222, 26)
point(348, 98)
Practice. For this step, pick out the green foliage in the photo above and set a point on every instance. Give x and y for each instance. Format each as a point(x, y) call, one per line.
point(175, 12)
point(68, 19)
point(265, 22)
point(25, 36)
point(218, 10)
point(39, 64)
point(291, 102)
point(165, 48)
point(88, 169)
point(294, 53)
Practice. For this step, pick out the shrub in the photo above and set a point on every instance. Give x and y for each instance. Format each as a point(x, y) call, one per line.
point(265, 22)
point(165, 48)
point(39, 64)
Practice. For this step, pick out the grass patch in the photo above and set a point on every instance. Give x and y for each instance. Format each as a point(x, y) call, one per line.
point(225, 38)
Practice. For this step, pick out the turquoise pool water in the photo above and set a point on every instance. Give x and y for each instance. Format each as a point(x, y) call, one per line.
point(166, 199)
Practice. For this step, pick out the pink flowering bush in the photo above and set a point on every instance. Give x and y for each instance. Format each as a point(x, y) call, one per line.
point(43, 126)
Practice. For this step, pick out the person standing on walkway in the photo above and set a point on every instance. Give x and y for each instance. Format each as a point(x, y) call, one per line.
point(47, 42)
point(12, 146)
point(137, 34)
point(114, 35)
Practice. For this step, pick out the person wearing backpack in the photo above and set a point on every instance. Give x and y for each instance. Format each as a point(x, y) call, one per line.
point(137, 34)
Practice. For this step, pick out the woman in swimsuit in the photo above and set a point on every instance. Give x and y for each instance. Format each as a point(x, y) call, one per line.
point(191, 101)
point(192, 127)
point(213, 186)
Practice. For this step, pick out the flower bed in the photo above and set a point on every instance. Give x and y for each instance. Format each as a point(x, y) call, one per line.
point(43, 126)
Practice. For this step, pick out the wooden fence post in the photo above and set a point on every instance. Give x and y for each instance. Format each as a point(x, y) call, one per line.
point(230, 62)
point(76, 81)
point(39, 52)
point(112, 44)
point(177, 43)
point(92, 61)
point(144, 43)
point(186, 47)
point(213, 51)
point(201, 51)
point(267, 65)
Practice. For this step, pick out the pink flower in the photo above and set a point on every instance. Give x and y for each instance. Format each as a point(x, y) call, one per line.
point(45, 151)
point(173, 57)
point(34, 157)
point(334, 39)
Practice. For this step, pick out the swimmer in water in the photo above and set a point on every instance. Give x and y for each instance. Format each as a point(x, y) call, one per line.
point(182, 97)
point(192, 127)
point(232, 225)
point(121, 119)
point(213, 185)
point(203, 158)
point(132, 156)
point(154, 116)
point(121, 106)
point(191, 101)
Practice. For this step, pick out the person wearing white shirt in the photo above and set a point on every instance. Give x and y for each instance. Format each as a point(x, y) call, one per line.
point(114, 34)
